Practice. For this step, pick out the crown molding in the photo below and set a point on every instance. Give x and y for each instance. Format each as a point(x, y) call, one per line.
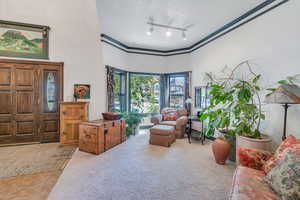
point(249, 16)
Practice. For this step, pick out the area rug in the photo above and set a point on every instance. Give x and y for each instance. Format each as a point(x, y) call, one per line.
point(136, 170)
point(28, 187)
point(30, 159)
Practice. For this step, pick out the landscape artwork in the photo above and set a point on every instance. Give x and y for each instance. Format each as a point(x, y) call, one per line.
point(82, 91)
point(21, 40)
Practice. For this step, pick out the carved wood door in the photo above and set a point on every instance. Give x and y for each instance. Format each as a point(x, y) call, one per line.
point(51, 94)
point(21, 118)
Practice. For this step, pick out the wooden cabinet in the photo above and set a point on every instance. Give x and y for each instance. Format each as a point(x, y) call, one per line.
point(29, 96)
point(101, 135)
point(71, 114)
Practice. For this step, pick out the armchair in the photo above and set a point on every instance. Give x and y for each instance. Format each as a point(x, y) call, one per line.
point(172, 117)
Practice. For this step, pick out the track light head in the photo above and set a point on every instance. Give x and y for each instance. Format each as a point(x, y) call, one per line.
point(150, 31)
point(184, 35)
point(168, 33)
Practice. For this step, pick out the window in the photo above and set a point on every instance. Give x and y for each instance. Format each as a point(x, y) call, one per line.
point(120, 91)
point(144, 93)
point(147, 93)
point(177, 90)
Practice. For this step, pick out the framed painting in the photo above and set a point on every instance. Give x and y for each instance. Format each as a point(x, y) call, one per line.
point(82, 91)
point(24, 40)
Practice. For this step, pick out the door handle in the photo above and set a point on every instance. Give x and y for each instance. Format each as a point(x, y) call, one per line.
point(105, 131)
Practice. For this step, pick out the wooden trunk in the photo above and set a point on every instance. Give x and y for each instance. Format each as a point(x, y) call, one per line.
point(29, 96)
point(71, 114)
point(100, 135)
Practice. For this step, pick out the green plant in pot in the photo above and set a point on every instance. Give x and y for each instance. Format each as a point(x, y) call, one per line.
point(235, 107)
point(133, 120)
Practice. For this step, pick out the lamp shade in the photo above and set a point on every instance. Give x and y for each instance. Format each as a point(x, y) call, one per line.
point(285, 94)
point(188, 101)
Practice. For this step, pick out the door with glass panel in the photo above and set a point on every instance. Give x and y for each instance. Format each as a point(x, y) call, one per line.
point(29, 95)
point(50, 95)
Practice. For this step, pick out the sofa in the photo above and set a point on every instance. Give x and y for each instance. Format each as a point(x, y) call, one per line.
point(172, 117)
point(262, 175)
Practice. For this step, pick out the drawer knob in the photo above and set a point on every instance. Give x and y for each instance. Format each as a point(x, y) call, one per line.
point(64, 133)
point(64, 112)
point(87, 135)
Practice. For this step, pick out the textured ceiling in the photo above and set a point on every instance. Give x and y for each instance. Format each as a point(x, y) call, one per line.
point(125, 20)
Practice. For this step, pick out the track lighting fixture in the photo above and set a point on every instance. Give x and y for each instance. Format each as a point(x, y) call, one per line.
point(168, 28)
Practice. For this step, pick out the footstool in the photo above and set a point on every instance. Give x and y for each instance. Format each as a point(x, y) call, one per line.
point(162, 135)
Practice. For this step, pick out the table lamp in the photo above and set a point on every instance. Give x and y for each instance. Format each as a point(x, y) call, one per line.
point(188, 103)
point(285, 95)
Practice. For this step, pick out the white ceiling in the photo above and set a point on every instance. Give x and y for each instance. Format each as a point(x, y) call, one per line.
point(125, 20)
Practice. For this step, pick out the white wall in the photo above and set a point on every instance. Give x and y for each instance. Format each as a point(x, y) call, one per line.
point(144, 63)
point(74, 39)
point(272, 43)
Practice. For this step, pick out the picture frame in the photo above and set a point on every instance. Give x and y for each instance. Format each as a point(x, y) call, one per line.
point(82, 91)
point(24, 40)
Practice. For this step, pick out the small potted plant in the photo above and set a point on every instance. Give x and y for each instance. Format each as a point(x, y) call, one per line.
point(132, 122)
point(236, 109)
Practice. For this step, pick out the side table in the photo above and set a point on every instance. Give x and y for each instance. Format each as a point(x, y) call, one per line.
point(189, 129)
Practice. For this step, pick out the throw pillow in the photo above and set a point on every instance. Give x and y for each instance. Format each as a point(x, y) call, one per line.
point(171, 116)
point(253, 158)
point(272, 162)
point(284, 179)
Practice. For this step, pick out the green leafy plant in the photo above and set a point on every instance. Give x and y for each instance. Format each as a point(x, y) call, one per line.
point(132, 121)
point(290, 80)
point(235, 103)
point(144, 93)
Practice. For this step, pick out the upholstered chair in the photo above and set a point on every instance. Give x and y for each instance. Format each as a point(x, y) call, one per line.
point(172, 117)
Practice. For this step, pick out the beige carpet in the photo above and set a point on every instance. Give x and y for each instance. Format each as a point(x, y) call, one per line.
point(28, 187)
point(136, 170)
point(30, 159)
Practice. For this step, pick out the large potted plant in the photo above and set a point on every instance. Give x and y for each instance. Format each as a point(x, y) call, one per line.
point(236, 108)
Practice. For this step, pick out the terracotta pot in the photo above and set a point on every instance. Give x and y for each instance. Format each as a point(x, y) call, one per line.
point(221, 150)
point(265, 143)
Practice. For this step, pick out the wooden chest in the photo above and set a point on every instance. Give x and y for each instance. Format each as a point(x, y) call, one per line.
point(100, 135)
point(71, 114)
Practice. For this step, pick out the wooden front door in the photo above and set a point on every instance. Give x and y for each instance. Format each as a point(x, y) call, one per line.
point(25, 100)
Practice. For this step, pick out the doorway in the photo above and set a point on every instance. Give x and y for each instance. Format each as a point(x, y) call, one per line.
point(29, 95)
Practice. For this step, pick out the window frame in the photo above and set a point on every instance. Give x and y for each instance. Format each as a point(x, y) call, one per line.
point(186, 87)
point(123, 87)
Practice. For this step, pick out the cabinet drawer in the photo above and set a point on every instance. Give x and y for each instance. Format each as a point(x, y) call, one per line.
point(88, 134)
point(74, 112)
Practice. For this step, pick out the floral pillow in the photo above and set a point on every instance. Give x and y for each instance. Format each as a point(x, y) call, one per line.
point(272, 162)
point(170, 115)
point(284, 179)
point(253, 158)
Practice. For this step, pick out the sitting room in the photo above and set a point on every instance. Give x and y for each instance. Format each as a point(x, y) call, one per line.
point(149, 99)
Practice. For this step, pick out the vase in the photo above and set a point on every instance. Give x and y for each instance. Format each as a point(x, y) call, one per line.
point(221, 150)
point(265, 143)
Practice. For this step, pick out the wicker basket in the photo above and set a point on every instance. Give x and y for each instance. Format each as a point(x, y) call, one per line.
point(111, 116)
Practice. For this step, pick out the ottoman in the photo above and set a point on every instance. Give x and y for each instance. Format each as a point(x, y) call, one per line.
point(162, 135)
